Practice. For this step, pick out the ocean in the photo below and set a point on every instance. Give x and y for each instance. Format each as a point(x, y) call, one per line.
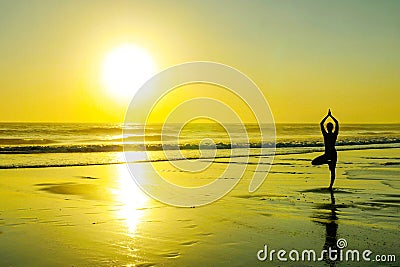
point(68, 199)
point(34, 145)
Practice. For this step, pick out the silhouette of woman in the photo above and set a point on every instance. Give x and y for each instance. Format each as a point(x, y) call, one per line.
point(330, 156)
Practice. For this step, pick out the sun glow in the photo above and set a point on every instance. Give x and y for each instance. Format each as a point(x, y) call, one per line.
point(125, 69)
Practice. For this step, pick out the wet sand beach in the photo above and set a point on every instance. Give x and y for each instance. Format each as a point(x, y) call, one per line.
point(96, 215)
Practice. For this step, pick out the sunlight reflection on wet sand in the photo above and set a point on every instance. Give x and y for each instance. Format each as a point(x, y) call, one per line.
point(132, 199)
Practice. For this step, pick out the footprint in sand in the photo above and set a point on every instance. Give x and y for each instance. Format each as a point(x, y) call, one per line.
point(170, 255)
point(189, 243)
point(190, 226)
point(145, 264)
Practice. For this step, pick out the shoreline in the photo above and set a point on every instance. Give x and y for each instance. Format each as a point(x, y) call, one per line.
point(312, 150)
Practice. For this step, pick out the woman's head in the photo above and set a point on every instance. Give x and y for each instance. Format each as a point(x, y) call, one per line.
point(329, 126)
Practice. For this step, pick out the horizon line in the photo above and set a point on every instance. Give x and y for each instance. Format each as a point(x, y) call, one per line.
point(121, 122)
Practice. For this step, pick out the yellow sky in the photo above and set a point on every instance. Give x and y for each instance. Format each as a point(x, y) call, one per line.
point(305, 56)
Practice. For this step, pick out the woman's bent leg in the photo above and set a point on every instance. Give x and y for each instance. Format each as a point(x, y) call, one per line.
point(319, 160)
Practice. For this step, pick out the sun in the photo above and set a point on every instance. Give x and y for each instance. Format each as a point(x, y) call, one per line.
point(125, 69)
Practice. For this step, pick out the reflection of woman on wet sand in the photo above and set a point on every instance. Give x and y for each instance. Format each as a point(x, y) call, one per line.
point(330, 156)
point(331, 230)
point(327, 216)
